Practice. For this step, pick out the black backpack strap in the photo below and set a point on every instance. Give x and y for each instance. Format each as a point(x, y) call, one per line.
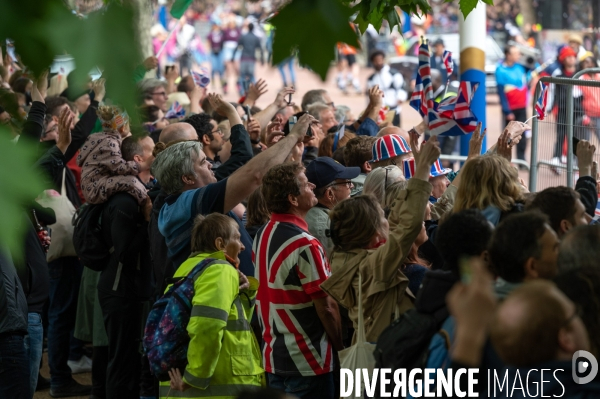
point(195, 273)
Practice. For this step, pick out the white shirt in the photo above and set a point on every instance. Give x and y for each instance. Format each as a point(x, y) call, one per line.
point(392, 86)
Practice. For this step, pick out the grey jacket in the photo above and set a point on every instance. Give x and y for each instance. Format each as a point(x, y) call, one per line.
point(13, 304)
point(317, 219)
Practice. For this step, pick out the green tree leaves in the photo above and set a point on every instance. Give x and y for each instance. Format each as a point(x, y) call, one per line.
point(105, 39)
point(20, 186)
point(41, 30)
point(313, 27)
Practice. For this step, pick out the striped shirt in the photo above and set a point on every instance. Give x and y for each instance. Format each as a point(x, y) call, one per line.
point(291, 265)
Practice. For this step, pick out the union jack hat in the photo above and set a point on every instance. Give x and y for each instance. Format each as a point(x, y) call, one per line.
point(436, 169)
point(389, 146)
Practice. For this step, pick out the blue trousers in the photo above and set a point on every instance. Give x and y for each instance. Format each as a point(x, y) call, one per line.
point(14, 368)
point(34, 342)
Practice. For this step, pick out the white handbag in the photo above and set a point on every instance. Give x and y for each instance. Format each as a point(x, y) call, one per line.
point(62, 231)
point(359, 355)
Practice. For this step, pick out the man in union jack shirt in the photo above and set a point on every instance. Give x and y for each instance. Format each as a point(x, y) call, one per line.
point(300, 323)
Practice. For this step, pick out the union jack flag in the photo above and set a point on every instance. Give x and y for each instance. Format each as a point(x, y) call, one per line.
point(416, 99)
point(201, 79)
point(447, 58)
point(453, 115)
point(540, 105)
point(176, 111)
point(422, 96)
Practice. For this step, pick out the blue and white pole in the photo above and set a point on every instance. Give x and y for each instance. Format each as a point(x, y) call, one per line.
point(473, 33)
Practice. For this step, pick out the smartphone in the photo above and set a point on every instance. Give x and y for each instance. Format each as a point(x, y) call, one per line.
point(291, 122)
point(168, 68)
point(289, 101)
point(287, 128)
point(466, 272)
point(575, 143)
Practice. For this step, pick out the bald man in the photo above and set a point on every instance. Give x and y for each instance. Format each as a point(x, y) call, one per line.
point(162, 266)
point(538, 329)
point(178, 132)
point(394, 130)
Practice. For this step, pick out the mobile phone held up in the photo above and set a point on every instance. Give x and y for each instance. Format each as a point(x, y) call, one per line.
point(575, 143)
point(287, 128)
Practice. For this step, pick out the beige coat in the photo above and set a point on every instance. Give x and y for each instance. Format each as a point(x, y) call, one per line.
point(385, 287)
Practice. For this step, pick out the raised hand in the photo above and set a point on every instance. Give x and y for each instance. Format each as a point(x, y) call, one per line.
point(375, 97)
point(222, 107)
point(504, 147)
point(39, 89)
point(172, 74)
point(476, 142)
point(280, 100)
point(255, 91)
point(428, 154)
point(150, 63)
point(414, 144)
point(65, 121)
point(253, 129)
point(300, 128)
point(585, 156)
point(99, 88)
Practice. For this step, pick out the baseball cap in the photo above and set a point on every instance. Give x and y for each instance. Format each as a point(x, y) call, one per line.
point(389, 146)
point(324, 170)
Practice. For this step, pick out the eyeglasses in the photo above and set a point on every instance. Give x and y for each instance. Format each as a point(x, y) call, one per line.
point(162, 93)
point(331, 104)
point(218, 131)
point(347, 183)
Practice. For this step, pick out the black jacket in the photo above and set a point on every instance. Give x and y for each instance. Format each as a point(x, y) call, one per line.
point(13, 305)
point(33, 268)
point(588, 193)
point(128, 272)
point(241, 152)
point(162, 266)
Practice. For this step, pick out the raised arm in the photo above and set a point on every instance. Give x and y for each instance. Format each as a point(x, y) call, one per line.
point(406, 217)
point(86, 124)
point(264, 117)
point(247, 179)
point(34, 125)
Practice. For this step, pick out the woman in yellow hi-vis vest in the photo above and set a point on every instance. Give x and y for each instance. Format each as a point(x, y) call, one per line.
point(223, 355)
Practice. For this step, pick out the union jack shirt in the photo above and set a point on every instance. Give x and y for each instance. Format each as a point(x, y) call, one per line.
point(290, 265)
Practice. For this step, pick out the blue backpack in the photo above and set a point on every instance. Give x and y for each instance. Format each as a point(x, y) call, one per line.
point(166, 339)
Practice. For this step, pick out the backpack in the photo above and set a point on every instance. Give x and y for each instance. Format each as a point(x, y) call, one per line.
point(166, 339)
point(88, 239)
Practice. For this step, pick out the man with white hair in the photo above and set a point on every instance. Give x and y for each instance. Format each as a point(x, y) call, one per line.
point(187, 178)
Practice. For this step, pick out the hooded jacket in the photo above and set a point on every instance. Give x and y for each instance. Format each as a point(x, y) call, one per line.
point(384, 286)
point(13, 305)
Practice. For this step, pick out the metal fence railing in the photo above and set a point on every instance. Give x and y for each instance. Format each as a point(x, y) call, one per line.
point(573, 110)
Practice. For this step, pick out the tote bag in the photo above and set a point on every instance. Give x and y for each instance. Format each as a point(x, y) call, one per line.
point(61, 231)
point(359, 355)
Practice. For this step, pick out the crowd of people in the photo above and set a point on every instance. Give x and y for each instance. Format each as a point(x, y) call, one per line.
point(224, 248)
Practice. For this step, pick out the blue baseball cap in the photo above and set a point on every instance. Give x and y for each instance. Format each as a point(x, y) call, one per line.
point(324, 170)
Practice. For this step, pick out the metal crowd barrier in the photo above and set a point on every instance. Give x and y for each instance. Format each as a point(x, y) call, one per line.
point(556, 125)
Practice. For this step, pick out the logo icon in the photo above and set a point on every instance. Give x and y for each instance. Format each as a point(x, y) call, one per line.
point(584, 362)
